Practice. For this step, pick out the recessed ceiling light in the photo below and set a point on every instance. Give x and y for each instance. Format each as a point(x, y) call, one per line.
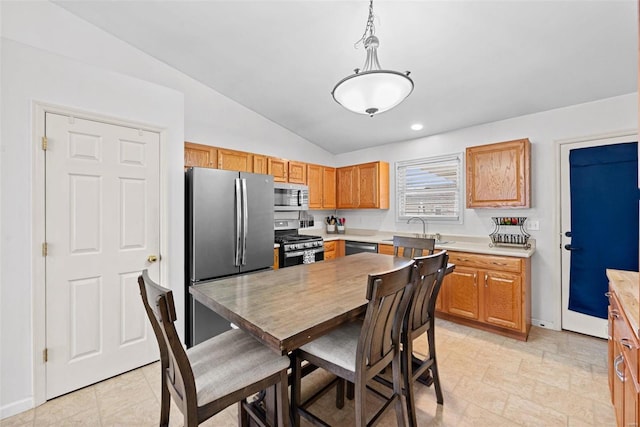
point(416, 126)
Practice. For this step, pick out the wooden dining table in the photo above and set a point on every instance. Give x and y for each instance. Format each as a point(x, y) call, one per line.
point(289, 307)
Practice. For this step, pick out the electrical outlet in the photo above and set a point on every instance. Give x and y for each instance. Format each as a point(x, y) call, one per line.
point(533, 225)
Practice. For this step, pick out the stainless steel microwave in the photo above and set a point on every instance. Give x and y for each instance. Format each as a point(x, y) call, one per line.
point(290, 197)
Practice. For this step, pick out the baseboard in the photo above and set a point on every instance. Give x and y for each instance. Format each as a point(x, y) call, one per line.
point(14, 408)
point(544, 324)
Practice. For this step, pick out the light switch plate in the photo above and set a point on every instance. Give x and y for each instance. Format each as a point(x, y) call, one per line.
point(533, 225)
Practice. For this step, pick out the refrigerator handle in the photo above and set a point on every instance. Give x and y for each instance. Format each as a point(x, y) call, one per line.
point(238, 221)
point(245, 220)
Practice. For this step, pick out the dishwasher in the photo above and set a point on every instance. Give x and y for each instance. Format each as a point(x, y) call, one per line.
point(351, 247)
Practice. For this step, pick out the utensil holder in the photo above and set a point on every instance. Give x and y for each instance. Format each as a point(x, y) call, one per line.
point(331, 228)
point(341, 229)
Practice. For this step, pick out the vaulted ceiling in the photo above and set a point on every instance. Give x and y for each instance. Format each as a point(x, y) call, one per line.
point(472, 61)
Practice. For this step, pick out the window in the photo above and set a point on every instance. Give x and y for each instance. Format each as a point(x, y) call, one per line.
point(430, 188)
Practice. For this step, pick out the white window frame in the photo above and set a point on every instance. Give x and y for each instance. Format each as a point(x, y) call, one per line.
point(431, 162)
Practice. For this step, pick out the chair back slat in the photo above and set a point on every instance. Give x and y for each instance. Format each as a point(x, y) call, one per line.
point(431, 271)
point(412, 247)
point(389, 295)
point(160, 308)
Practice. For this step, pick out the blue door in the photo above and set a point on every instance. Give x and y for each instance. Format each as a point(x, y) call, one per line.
point(604, 222)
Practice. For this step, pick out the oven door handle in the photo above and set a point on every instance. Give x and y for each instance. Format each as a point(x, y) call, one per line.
point(299, 253)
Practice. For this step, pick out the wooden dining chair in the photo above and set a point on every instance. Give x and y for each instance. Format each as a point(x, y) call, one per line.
point(214, 374)
point(359, 350)
point(412, 246)
point(420, 319)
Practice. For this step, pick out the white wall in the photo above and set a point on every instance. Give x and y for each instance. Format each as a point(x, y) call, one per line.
point(543, 130)
point(51, 56)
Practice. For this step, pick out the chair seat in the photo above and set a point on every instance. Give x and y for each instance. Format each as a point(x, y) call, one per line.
point(338, 347)
point(230, 362)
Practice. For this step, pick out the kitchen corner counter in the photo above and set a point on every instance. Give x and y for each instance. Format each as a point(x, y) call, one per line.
point(473, 244)
point(626, 285)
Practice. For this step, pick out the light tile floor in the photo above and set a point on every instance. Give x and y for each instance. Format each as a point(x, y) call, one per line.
point(553, 379)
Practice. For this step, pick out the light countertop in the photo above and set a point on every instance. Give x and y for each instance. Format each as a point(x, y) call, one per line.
point(474, 244)
point(626, 285)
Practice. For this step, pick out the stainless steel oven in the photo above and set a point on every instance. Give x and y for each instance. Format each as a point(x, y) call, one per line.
point(297, 248)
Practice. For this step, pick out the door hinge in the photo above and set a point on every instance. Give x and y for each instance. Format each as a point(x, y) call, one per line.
point(44, 143)
point(45, 249)
point(45, 355)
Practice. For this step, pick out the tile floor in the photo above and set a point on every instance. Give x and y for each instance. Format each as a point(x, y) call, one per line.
point(553, 379)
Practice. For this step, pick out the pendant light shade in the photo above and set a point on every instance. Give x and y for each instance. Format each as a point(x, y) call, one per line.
point(372, 90)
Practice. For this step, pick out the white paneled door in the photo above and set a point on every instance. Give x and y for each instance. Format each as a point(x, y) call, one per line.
point(102, 230)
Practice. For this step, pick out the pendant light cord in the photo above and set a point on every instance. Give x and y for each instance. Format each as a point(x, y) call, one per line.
point(370, 29)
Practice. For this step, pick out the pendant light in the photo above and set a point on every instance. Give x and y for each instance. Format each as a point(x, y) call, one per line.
point(372, 90)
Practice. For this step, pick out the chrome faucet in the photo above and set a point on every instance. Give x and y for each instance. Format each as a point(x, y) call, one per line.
point(424, 225)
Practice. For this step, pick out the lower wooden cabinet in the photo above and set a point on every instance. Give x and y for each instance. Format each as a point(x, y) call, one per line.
point(276, 258)
point(385, 249)
point(489, 292)
point(330, 250)
point(623, 365)
point(333, 249)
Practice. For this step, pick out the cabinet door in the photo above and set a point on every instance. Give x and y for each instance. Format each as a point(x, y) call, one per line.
point(347, 187)
point(314, 181)
point(462, 292)
point(630, 399)
point(199, 155)
point(368, 182)
point(260, 164)
point(279, 168)
point(498, 175)
point(385, 249)
point(502, 299)
point(276, 259)
point(235, 160)
point(297, 172)
point(617, 395)
point(328, 188)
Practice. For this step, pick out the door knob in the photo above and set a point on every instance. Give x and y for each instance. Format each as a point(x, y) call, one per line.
point(152, 258)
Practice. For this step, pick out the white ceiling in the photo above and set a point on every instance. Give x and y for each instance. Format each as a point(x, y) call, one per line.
point(472, 61)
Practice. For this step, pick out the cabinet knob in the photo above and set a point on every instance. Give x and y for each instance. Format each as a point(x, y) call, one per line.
point(152, 258)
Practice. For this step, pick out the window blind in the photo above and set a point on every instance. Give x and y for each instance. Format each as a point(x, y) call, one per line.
point(429, 188)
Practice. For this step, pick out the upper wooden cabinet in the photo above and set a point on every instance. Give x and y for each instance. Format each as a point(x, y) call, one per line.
point(498, 175)
point(322, 187)
point(328, 187)
point(279, 168)
point(297, 172)
point(363, 186)
point(199, 155)
point(260, 164)
point(235, 160)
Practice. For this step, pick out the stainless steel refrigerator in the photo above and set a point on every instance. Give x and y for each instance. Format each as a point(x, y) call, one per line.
point(229, 231)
